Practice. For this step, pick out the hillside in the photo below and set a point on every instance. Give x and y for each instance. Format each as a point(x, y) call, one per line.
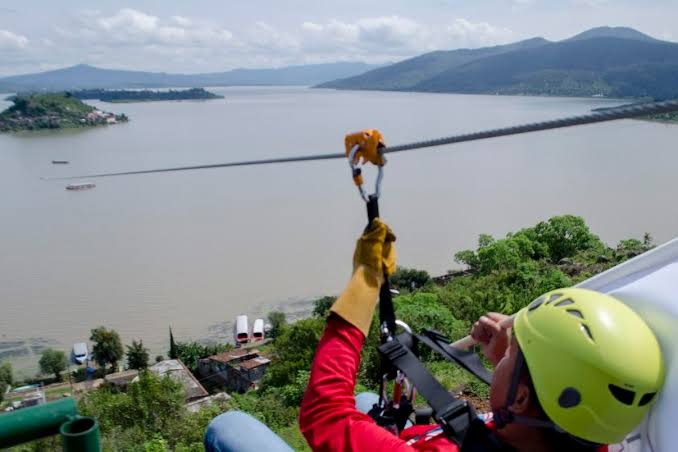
point(406, 74)
point(84, 76)
point(613, 62)
point(52, 111)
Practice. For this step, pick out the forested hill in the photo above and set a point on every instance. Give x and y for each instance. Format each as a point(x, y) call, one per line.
point(84, 76)
point(612, 62)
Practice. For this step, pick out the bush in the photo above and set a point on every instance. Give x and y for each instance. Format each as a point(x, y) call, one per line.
point(191, 352)
point(293, 351)
point(409, 278)
point(278, 320)
point(321, 306)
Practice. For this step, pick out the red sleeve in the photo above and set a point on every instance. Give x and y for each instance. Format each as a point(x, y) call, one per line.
point(329, 419)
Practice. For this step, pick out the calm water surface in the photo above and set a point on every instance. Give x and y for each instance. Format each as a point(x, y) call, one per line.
point(193, 249)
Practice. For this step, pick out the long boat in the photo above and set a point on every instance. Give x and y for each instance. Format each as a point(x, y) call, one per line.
point(82, 186)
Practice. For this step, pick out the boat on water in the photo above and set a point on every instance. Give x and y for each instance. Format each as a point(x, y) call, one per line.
point(81, 186)
point(60, 162)
point(79, 353)
point(258, 330)
point(241, 330)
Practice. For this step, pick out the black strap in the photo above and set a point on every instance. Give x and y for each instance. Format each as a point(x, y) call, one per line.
point(466, 359)
point(386, 310)
point(455, 415)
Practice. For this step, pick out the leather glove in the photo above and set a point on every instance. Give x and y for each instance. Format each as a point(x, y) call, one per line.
point(374, 254)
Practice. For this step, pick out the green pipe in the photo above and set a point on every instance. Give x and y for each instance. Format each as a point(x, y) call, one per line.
point(81, 435)
point(35, 422)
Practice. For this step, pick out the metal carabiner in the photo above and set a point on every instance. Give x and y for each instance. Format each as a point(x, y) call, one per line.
point(356, 174)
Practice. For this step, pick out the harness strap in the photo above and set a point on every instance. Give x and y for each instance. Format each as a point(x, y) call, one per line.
point(466, 359)
point(455, 415)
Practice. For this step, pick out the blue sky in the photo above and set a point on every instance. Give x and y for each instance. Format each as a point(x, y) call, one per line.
point(217, 35)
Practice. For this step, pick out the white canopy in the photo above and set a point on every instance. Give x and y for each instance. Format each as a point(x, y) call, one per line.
point(649, 285)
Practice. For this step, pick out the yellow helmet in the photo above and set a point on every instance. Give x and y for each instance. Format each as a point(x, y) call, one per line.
point(595, 364)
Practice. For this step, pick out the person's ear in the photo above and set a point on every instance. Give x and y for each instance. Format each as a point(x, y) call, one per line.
point(523, 400)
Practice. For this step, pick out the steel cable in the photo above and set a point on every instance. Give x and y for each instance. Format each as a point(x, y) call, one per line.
point(608, 114)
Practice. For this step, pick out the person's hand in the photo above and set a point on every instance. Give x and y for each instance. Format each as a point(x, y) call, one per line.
point(374, 254)
point(375, 249)
point(492, 337)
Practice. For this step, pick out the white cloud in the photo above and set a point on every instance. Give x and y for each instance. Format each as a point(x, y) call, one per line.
point(133, 28)
point(394, 36)
point(9, 40)
point(133, 39)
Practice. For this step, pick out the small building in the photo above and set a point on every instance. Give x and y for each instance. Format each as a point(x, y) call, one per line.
point(179, 372)
point(121, 379)
point(238, 370)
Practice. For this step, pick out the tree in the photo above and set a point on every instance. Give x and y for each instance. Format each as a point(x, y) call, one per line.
point(137, 355)
point(409, 278)
point(53, 362)
point(321, 306)
point(6, 378)
point(294, 350)
point(107, 347)
point(278, 320)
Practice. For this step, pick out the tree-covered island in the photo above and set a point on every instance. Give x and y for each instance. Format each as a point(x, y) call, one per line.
point(53, 111)
point(144, 95)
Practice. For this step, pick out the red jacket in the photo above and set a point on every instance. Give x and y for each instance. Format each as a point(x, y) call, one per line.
point(329, 419)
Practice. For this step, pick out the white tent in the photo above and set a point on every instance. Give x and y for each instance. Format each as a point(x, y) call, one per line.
point(649, 285)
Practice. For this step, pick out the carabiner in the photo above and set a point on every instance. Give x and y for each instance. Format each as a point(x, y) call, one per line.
point(356, 174)
point(368, 145)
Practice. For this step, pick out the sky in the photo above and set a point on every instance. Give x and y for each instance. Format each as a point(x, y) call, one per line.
point(219, 35)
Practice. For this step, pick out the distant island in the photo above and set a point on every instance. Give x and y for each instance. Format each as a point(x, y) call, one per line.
point(611, 62)
point(53, 111)
point(144, 95)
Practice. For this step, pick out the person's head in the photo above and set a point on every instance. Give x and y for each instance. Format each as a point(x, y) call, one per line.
point(583, 362)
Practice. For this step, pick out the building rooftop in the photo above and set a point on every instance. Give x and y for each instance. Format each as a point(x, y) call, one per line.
point(122, 378)
point(255, 362)
point(178, 372)
point(227, 357)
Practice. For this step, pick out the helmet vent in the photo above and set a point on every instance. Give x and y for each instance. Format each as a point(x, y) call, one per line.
point(565, 302)
point(623, 395)
point(535, 304)
point(647, 398)
point(585, 329)
point(575, 312)
point(554, 297)
point(569, 398)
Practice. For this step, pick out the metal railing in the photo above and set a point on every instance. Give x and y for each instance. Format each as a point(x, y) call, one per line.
point(78, 433)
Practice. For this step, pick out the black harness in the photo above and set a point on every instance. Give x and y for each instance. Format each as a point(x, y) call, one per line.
point(400, 353)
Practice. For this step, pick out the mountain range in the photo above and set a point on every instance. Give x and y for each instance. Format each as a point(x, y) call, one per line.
point(605, 61)
point(84, 76)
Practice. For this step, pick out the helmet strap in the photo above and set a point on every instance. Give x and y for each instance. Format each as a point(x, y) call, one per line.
point(503, 416)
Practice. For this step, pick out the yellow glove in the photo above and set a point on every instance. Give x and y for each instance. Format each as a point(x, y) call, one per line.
point(374, 254)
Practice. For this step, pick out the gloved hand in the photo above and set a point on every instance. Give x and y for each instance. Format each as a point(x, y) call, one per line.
point(374, 254)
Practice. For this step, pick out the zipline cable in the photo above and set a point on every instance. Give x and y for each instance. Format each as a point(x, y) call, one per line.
point(608, 114)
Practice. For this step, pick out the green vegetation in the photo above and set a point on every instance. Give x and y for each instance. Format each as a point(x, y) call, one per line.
point(6, 377)
point(137, 355)
point(150, 413)
point(53, 362)
point(107, 347)
point(664, 117)
point(52, 111)
point(503, 275)
point(191, 352)
point(144, 95)
point(278, 320)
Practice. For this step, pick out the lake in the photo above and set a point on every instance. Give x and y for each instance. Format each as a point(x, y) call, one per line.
point(193, 249)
